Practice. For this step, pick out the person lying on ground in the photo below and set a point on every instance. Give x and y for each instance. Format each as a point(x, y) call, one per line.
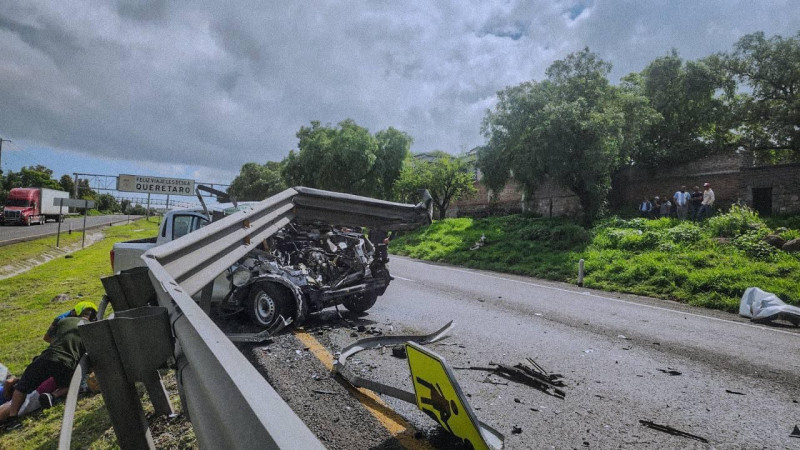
point(58, 360)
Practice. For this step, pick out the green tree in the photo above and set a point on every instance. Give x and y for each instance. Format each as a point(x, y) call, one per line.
point(256, 182)
point(85, 192)
point(67, 184)
point(347, 158)
point(692, 119)
point(573, 127)
point(393, 149)
point(107, 203)
point(38, 176)
point(446, 177)
point(770, 111)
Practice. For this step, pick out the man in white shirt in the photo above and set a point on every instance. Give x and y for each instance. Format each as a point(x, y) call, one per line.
point(707, 205)
point(681, 199)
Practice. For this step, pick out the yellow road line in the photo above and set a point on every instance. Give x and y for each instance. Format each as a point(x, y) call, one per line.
point(397, 426)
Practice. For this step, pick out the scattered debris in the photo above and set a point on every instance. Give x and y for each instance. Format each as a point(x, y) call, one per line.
point(734, 392)
point(399, 351)
point(488, 380)
point(534, 376)
point(320, 391)
point(60, 298)
point(516, 400)
point(588, 350)
point(479, 243)
point(516, 429)
point(673, 431)
point(761, 306)
point(622, 336)
point(796, 432)
point(670, 371)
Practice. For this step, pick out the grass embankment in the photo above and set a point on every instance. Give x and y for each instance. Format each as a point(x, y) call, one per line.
point(708, 264)
point(27, 309)
point(35, 248)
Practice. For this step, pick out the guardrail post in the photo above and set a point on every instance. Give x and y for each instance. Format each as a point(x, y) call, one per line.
point(121, 398)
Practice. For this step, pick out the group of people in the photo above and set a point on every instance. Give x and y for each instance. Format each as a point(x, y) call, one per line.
point(696, 205)
point(47, 377)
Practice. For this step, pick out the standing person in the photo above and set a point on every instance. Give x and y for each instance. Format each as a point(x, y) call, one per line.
point(645, 208)
point(682, 199)
point(666, 206)
point(694, 204)
point(707, 205)
point(58, 360)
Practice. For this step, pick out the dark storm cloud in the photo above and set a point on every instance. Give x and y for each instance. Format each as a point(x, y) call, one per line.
point(217, 85)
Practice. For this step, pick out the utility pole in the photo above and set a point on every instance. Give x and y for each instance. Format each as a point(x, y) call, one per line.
point(76, 184)
point(1, 152)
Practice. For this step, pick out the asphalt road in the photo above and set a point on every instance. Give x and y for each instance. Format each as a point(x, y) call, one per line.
point(18, 233)
point(733, 383)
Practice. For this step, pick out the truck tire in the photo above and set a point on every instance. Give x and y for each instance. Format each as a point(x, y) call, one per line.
point(28, 221)
point(267, 302)
point(359, 303)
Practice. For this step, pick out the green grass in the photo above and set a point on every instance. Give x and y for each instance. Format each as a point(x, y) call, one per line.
point(26, 310)
point(709, 264)
point(32, 249)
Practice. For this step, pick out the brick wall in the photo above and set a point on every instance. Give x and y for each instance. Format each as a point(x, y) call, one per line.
point(512, 200)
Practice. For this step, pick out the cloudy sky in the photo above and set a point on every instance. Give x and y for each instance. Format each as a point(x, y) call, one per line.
point(184, 89)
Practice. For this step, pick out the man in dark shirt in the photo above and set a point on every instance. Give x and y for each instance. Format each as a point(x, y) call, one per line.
point(58, 360)
point(695, 201)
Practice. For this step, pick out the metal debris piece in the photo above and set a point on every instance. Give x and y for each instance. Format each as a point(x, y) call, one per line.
point(399, 351)
point(734, 392)
point(516, 430)
point(340, 365)
point(320, 391)
point(673, 431)
point(534, 376)
point(670, 371)
point(796, 432)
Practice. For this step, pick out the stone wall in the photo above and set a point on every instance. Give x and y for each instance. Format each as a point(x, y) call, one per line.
point(730, 180)
point(784, 181)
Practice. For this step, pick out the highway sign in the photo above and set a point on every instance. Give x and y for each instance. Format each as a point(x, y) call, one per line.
point(155, 185)
point(440, 397)
point(73, 202)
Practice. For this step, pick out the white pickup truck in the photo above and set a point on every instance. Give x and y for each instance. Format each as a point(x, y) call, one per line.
point(174, 224)
point(302, 268)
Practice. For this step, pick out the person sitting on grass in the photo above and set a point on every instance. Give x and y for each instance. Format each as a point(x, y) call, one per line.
point(58, 360)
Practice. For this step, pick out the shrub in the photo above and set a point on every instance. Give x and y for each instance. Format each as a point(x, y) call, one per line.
point(738, 220)
point(568, 236)
point(685, 232)
point(752, 244)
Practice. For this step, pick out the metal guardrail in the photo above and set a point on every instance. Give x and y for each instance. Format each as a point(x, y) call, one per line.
point(229, 403)
point(53, 233)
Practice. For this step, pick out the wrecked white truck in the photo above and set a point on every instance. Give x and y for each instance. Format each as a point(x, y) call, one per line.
point(302, 268)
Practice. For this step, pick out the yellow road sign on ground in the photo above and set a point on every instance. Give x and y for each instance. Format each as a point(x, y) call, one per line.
point(440, 397)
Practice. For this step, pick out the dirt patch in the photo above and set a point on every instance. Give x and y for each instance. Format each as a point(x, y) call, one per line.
point(18, 267)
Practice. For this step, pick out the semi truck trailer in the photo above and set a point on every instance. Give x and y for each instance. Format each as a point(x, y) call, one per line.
point(26, 206)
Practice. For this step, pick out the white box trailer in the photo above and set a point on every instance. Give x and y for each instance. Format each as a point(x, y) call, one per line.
point(49, 209)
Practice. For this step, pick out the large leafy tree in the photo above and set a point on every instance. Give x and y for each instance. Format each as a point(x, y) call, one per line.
point(393, 149)
point(693, 119)
point(67, 184)
point(38, 176)
point(446, 177)
point(769, 109)
point(347, 158)
point(573, 127)
point(257, 182)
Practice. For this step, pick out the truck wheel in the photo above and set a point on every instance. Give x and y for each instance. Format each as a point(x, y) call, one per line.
point(28, 221)
point(360, 302)
point(266, 303)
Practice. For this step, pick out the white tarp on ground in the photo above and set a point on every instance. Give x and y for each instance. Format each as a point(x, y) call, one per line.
point(764, 306)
